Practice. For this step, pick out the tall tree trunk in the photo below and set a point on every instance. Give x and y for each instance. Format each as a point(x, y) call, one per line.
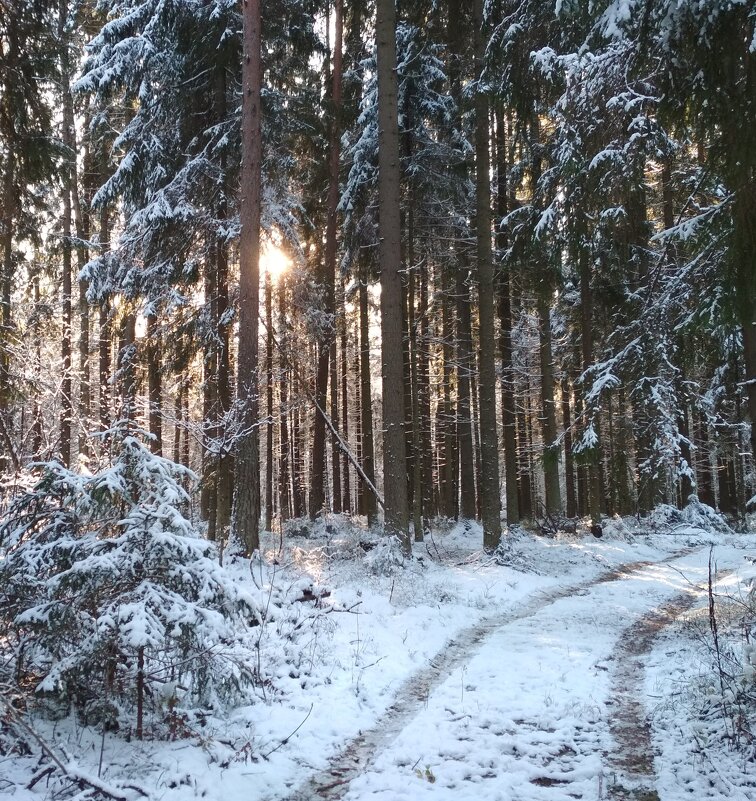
point(394, 457)
point(105, 333)
point(328, 276)
point(69, 175)
point(283, 415)
point(366, 401)
point(268, 402)
point(225, 459)
point(548, 417)
point(211, 432)
point(524, 451)
point(37, 424)
point(595, 485)
point(154, 385)
point(465, 368)
point(127, 369)
point(9, 214)
point(335, 449)
point(246, 515)
point(569, 459)
point(448, 429)
point(297, 498)
point(82, 222)
point(489, 440)
point(346, 482)
point(508, 415)
point(424, 401)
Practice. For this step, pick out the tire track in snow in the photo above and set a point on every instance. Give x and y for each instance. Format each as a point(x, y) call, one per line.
point(333, 782)
point(633, 760)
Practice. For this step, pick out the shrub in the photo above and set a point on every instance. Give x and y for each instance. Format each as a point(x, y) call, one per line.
point(107, 594)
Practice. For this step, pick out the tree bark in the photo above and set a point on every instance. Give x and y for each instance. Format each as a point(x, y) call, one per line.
point(508, 414)
point(394, 457)
point(548, 415)
point(489, 440)
point(366, 401)
point(268, 403)
point(246, 510)
point(465, 369)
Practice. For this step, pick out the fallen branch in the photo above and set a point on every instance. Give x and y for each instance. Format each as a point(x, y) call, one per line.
point(70, 771)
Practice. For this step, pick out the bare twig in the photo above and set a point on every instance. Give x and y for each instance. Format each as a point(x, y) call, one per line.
point(286, 739)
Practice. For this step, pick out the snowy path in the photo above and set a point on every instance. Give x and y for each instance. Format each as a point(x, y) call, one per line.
point(521, 707)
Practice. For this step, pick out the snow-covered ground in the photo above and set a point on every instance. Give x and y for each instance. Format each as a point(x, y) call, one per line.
point(453, 676)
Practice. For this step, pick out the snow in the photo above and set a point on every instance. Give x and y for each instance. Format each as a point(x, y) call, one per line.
point(452, 676)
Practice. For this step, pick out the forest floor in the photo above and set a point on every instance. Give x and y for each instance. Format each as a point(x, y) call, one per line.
point(568, 668)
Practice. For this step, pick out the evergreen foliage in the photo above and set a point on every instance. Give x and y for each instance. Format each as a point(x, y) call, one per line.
point(105, 584)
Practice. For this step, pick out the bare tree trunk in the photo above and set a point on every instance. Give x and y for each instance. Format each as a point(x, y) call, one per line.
point(268, 403)
point(569, 459)
point(297, 461)
point(37, 424)
point(509, 421)
point(366, 401)
point(210, 412)
point(448, 435)
point(335, 450)
point(489, 439)
point(424, 401)
point(127, 369)
point(595, 485)
point(82, 222)
point(155, 385)
point(224, 461)
point(283, 416)
point(465, 368)
point(9, 214)
point(394, 456)
point(525, 483)
point(317, 493)
point(69, 175)
point(346, 483)
point(246, 515)
point(105, 334)
point(548, 418)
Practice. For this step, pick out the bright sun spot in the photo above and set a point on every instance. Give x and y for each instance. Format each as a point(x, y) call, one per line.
point(273, 260)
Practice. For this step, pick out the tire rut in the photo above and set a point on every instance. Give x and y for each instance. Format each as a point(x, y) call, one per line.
point(333, 782)
point(632, 763)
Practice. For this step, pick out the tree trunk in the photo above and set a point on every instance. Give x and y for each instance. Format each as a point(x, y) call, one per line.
point(283, 415)
point(211, 432)
point(548, 417)
point(154, 385)
point(489, 440)
point(366, 402)
point(224, 459)
point(594, 484)
point(346, 483)
point(127, 369)
point(509, 421)
point(105, 333)
point(335, 449)
point(424, 402)
point(464, 422)
point(69, 175)
point(569, 459)
point(328, 276)
point(268, 402)
point(394, 457)
point(246, 515)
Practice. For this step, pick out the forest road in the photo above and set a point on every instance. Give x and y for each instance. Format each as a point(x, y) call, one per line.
point(632, 758)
